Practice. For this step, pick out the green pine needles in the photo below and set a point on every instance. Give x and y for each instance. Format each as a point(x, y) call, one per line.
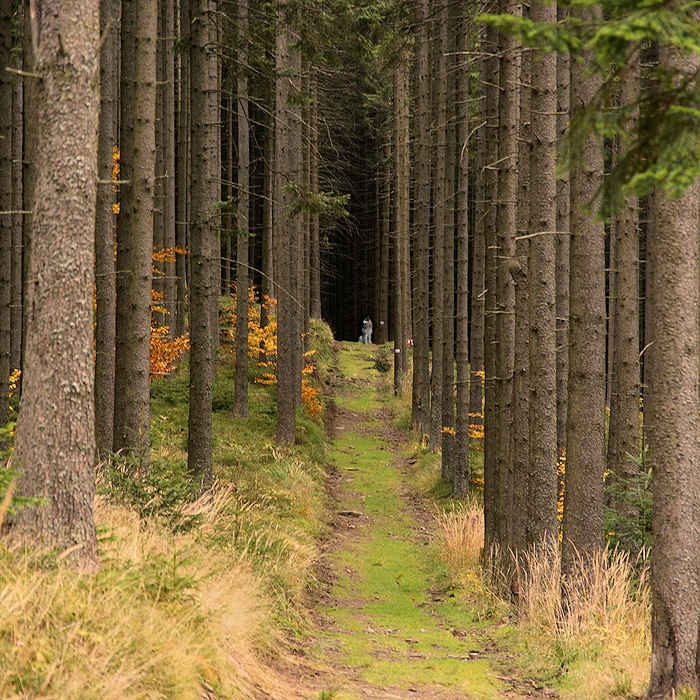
point(660, 130)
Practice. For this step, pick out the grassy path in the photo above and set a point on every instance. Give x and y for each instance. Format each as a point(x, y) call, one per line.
point(390, 626)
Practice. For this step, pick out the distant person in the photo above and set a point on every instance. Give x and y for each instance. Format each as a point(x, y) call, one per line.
point(366, 336)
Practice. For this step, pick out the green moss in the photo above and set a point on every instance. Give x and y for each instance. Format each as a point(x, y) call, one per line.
point(397, 606)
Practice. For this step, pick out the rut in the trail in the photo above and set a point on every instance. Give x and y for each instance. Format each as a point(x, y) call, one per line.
point(390, 626)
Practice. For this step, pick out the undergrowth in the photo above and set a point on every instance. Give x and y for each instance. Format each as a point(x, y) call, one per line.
point(599, 649)
point(195, 597)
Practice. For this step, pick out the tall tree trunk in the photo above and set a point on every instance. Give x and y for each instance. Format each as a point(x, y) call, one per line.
point(505, 287)
point(421, 255)
point(157, 265)
point(542, 481)
point(521, 359)
point(562, 243)
point(284, 275)
point(105, 286)
point(168, 193)
point(623, 434)
point(315, 231)
point(204, 282)
point(132, 400)
point(5, 206)
point(384, 206)
point(17, 217)
point(29, 163)
point(478, 272)
point(297, 256)
point(672, 416)
point(182, 209)
point(240, 407)
point(582, 530)
point(55, 440)
point(439, 78)
point(449, 469)
point(126, 163)
point(269, 291)
point(402, 215)
point(491, 480)
point(461, 477)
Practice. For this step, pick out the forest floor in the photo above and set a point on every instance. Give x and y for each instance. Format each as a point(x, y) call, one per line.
point(388, 622)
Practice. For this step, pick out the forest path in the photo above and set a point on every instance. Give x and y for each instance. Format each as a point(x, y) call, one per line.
point(389, 626)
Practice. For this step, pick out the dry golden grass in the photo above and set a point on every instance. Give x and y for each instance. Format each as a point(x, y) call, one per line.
point(601, 648)
point(462, 537)
point(602, 644)
point(169, 616)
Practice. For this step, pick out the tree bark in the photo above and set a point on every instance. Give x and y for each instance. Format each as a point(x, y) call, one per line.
point(105, 283)
point(521, 359)
point(449, 469)
point(582, 530)
point(240, 406)
point(460, 486)
point(623, 433)
point(439, 79)
point(542, 482)
point(55, 439)
point(204, 283)
point(29, 164)
point(168, 192)
point(315, 231)
point(672, 417)
point(284, 273)
point(491, 480)
point(402, 215)
point(132, 400)
point(478, 289)
point(421, 255)
point(509, 115)
point(5, 206)
point(562, 244)
point(182, 209)
point(17, 218)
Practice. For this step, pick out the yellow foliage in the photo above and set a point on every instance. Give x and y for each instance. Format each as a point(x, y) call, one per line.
point(116, 164)
point(309, 399)
point(262, 346)
point(116, 169)
point(165, 352)
point(167, 255)
point(476, 431)
point(14, 378)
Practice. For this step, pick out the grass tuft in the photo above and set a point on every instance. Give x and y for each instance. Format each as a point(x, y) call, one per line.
point(599, 648)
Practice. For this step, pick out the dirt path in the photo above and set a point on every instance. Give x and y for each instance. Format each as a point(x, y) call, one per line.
point(390, 627)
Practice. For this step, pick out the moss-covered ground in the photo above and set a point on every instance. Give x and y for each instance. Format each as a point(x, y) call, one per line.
point(391, 625)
